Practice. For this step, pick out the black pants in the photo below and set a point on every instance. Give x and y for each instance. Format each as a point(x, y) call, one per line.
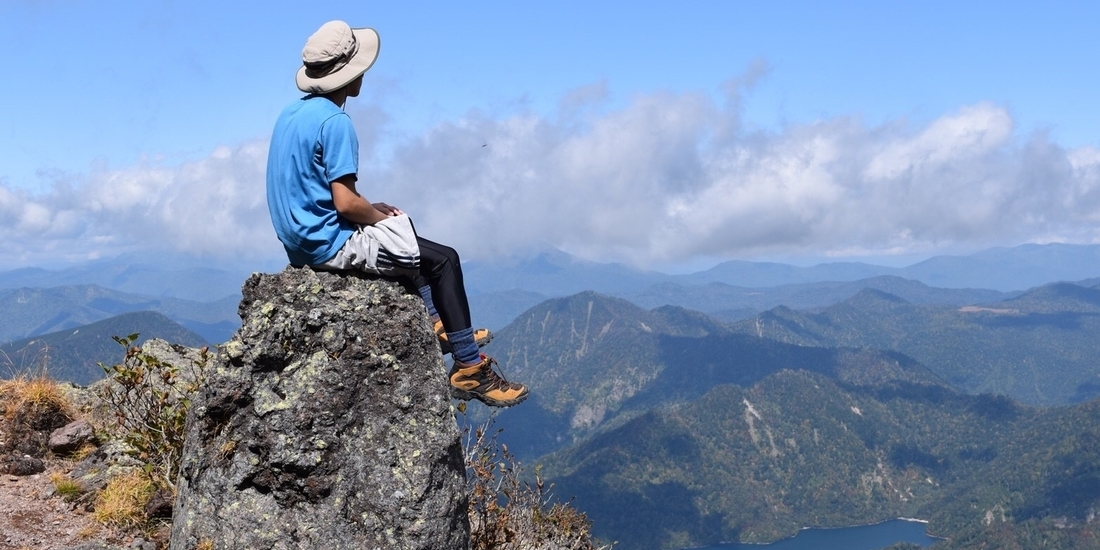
point(441, 271)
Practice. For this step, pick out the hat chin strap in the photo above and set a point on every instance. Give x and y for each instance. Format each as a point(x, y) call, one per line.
point(325, 68)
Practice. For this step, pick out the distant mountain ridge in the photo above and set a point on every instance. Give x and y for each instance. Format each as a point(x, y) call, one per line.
point(733, 303)
point(1004, 269)
point(1038, 347)
point(73, 354)
point(500, 290)
point(195, 283)
point(556, 273)
point(29, 312)
point(738, 289)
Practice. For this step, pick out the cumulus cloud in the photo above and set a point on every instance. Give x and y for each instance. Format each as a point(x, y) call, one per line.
point(673, 176)
point(667, 177)
point(214, 207)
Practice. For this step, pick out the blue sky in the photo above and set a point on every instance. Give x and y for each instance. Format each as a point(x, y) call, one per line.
point(652, 133)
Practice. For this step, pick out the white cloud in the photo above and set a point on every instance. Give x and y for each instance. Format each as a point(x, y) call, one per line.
point(667, 177)
point(213, 207)
point(974, 131)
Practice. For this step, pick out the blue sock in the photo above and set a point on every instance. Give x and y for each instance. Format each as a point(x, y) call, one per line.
point(426, 294)
point(463, 347)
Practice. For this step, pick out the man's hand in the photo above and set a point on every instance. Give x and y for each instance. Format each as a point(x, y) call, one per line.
point(387, 209)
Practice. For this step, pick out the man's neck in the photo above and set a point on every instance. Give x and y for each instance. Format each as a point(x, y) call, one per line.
point(339, 97)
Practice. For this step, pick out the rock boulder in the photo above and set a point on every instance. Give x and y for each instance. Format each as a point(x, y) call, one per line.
point(71, 437)
point(326, 423)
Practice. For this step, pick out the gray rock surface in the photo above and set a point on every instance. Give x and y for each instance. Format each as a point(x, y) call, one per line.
point(71, 437)
point(17, 465)
point(325, 423)
point(110, 460)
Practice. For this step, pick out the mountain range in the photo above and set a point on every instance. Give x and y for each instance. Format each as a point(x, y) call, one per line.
point(736, 290)
point(1038, 347)
point(1005, 269)
point(757, 463)
point(672, 429)
point(164, 276)
point(31, 312)
point(74, 355)
point(750, 400)
point(591, 355)
point(501, 289)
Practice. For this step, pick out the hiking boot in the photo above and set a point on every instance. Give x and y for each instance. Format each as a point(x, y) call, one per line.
point(482, 336)
point(483, 383)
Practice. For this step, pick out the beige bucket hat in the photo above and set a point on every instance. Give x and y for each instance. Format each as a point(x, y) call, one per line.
point(334, 56)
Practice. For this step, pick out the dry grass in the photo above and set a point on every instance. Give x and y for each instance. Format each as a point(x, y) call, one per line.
point(122, 502)
point(31, 407)
point(25, 395)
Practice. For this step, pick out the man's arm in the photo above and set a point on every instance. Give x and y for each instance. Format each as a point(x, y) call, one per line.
point(353, 207)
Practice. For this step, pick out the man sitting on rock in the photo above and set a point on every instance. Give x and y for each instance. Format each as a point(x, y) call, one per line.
point(324, 222)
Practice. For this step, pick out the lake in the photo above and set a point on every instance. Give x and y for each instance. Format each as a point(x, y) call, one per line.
point(863, 537)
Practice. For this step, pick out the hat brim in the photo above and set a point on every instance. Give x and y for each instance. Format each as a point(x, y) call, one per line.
point(364, 58)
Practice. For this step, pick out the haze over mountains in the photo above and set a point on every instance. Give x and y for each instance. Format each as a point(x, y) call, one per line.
point(738, 289)
point(203, 299)
point(1039, 347)
point(1003, 269)
point(30, 312)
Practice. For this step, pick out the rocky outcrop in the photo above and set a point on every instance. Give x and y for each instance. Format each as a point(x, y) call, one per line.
point(325, 423)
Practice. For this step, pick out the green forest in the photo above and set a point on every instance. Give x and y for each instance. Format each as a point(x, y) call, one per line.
point(671, 429)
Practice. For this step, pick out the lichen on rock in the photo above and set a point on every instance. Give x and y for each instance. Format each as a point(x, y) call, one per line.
point(326, 423)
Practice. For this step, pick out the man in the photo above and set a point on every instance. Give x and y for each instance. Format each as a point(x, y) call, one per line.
point(324, 222)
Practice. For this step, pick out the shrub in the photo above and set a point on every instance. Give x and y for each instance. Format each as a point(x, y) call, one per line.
point(507, 512)
point(150, 399)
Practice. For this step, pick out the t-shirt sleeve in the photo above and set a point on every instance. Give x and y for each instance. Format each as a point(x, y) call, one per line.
point(339, 147)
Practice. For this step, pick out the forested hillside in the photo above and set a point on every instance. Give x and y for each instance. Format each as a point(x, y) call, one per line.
point(592, 357)
point(1039, 347)
point(672, 430)
point(800, 449)
point(73, 355)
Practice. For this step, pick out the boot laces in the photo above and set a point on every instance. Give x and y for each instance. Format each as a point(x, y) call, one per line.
point(492, 378)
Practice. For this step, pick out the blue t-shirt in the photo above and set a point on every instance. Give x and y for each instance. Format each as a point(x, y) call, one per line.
point(312, 145)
